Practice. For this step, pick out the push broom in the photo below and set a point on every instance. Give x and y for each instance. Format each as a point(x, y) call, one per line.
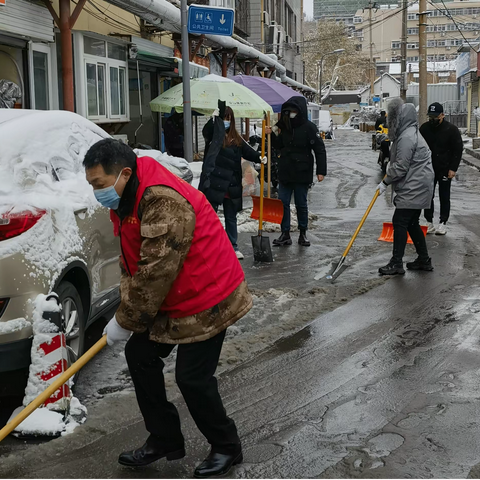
point(338, 268)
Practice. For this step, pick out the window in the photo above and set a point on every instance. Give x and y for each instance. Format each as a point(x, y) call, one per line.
point(412, 16)
point(412, 31)
point(396, 45)
point(357, 19)
point(412, 46)
point(40, 80)
point(105, 89)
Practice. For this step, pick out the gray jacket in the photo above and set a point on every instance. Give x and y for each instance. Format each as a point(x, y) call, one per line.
point(410, 170)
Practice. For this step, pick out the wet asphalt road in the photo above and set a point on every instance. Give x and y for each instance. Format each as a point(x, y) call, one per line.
point(382, 382)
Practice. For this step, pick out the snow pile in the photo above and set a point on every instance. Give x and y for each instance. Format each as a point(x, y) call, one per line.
point(178, 166)
point(41, 160)
point(44, 420)
point(13, 325)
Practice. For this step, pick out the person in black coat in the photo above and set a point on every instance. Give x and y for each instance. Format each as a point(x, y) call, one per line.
point(173, 129)
point(381, 120)
point(221, 178)
point(298, 140)
point(446, 144)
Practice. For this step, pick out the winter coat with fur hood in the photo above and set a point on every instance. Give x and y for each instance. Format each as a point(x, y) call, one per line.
point(410, 170)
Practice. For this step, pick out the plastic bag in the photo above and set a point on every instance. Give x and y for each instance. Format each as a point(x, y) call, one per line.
point(249, 177)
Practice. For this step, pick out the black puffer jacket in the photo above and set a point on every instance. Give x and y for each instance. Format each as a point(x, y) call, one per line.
point(222, 166)
point(296, 144)
point(446, 144)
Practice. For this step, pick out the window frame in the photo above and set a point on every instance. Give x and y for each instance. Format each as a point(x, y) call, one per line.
point(45, 49)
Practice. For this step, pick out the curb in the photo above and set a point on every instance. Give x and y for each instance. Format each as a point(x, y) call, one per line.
point(472, 157)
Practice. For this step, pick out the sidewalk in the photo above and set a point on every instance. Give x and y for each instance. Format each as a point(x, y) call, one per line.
point(471, 157)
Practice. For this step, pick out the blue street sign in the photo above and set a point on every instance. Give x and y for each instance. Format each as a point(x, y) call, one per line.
point(376, 99)
point(212, 20)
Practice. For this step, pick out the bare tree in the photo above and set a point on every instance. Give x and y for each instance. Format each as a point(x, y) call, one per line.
point(326, 36)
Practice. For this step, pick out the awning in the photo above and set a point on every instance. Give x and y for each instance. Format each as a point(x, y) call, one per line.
point(170, 65)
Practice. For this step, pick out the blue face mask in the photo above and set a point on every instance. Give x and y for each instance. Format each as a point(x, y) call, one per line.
point(227, 124)
point(108, 196)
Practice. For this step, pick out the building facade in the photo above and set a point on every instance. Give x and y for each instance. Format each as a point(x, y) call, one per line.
point(344, 10)
point(277, 30)
point(446, 29)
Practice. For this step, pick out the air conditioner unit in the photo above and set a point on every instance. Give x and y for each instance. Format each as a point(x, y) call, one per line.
point(443, 34)
point(266, 18)
point(449, 48)
point(394, 52)
point(474, 15)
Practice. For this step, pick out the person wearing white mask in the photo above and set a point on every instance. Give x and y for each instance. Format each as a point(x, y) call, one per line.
point(221, 179)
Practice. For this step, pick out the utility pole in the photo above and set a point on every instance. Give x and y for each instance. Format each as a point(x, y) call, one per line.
point(187, 105)
point(422, 64)
point(371, 6)
point(404, 86)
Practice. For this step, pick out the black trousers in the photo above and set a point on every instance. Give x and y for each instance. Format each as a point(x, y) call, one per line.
point(444, 195)
point(194, 373)
point(407, 221)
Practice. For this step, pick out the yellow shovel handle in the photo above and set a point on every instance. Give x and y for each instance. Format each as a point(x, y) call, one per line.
point(262, 179)
point(269, 156)
point(46, 394)
point(362, 221)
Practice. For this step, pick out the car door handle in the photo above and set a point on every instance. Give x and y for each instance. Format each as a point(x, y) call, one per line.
point(81, 211)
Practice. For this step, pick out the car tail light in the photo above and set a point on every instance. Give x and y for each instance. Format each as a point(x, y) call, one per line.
point(3, 305)
point(14, 224)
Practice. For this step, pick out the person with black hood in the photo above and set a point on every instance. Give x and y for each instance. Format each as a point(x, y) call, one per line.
point(445, 142)
point(298, 140)
point(381, 120)
point(173, 129)
point(221, 178)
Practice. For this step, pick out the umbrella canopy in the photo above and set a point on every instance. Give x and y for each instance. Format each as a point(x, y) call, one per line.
point(206, 92)
point(274, 93)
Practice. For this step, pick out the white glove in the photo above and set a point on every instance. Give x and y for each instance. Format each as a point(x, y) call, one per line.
point(264, 160)
point(382, 187)
point(216, 113)
point(115, 332)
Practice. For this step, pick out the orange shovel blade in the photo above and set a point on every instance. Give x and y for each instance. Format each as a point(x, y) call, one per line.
point(272, 209)
point(387, 233)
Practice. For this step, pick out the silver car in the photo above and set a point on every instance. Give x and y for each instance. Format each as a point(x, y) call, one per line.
point(54, 236)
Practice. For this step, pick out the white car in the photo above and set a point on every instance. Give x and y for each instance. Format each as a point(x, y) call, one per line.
point(54, 236)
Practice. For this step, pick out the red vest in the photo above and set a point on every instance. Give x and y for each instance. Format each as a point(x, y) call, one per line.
point(211, 271)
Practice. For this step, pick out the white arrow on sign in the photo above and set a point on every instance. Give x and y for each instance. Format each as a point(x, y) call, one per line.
point(222, 20)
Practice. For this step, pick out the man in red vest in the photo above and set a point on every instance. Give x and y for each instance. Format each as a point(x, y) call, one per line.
point(181, 284)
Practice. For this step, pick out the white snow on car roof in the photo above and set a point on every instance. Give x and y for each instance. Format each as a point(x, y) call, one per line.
point(39, 148)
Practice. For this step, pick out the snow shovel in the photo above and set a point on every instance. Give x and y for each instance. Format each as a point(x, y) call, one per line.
point(338, 268)
point(262, 252)
point(272, 208)
point(48, 392)
point(387, 233)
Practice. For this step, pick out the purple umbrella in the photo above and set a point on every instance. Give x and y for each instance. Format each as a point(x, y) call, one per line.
point(274, 93)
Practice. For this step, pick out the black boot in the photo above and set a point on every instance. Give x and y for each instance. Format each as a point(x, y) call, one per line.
point(284, 239)
point(419, 264)
point(147, 454)
point(303, 240)
point(392, 269)
point(217, 464)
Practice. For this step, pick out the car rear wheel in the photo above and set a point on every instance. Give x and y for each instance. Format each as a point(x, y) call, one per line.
point(73, 320)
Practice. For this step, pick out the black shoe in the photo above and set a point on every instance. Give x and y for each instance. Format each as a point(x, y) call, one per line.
point(147, 454)
point(284, 239)
point(418, 264)
point(303, 240)
point(392, 269)
point(217, 464)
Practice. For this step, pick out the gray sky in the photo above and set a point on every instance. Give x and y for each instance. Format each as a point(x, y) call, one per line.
point(308, 7)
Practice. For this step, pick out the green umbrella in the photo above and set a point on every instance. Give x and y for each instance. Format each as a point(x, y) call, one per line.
point(206, 92)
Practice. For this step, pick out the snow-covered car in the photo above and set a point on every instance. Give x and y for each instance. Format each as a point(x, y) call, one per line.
point(54, 236)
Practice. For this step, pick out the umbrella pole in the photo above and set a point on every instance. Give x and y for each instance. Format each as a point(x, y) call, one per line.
point(269, 156)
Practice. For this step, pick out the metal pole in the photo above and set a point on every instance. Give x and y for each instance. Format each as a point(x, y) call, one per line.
point(422, 64)
point(67, 56)
point(320, 80)
point(404, 82)
point(187, 105)
point(372, 73)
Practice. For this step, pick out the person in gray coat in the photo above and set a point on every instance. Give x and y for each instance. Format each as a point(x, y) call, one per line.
point(410, 172)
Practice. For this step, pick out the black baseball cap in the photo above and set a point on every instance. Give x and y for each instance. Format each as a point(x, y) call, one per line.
point(435, 109)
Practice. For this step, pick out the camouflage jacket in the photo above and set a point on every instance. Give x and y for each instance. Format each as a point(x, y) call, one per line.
point(162, 256)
